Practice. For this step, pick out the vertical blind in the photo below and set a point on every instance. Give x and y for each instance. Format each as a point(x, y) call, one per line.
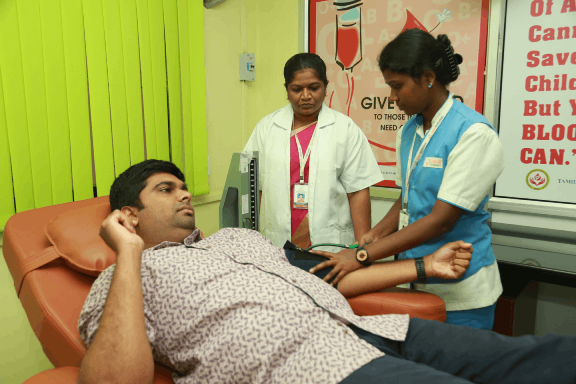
point(89, 87)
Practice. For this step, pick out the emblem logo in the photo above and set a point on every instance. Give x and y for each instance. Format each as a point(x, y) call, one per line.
point(531, 262)
point(537, 179)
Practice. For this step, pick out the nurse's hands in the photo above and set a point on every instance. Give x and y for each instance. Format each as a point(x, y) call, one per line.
point(367, 238)
point(449, 262)
point(342, 262)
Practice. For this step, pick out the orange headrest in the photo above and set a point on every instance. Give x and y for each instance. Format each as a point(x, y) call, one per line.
point(75, 237)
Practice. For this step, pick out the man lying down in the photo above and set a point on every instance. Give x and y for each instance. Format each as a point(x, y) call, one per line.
point(230, 308)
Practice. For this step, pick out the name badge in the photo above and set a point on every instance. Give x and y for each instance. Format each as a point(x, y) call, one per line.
point(433, 162)
point(403, 219)
point(300, 196)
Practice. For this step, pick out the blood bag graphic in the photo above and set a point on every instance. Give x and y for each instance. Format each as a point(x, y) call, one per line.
point(348, 33)
point(348, 42)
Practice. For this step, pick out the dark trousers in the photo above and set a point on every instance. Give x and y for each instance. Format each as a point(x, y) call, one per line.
point(435, 352)
point(439, 353)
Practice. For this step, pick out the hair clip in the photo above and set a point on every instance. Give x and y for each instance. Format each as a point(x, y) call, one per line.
point(453, 60)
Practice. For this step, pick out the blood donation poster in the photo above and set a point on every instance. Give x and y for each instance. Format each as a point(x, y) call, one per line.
point(349, 36)
point(537, 124)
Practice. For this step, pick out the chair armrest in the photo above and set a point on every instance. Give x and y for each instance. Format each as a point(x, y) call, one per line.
point(69, 375)
point(394, 300)
point(62, 375)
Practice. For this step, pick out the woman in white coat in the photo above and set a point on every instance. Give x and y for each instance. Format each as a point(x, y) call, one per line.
point(315, 165)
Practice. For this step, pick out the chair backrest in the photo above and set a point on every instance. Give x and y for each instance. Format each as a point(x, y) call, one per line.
point(52, 295)
point(50, 284)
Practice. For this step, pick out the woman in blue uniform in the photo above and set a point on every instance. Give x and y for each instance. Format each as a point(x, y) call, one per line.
point(448, 158)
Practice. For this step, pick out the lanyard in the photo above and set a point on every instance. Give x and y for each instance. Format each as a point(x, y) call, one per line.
point(411, 168)
point(304, 159)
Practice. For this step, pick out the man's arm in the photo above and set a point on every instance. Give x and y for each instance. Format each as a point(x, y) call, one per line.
point(120, 351)
point(449, 262)
point(360, 211)
point(439, 221)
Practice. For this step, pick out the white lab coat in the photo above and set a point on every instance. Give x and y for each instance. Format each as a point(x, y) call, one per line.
point(341, 162)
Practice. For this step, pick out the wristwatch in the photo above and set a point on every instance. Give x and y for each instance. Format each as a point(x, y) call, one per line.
point(420, 269)
point(362, 257)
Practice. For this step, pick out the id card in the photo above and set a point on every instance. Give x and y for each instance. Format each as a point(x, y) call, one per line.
point(300, 196)
point(404, 219)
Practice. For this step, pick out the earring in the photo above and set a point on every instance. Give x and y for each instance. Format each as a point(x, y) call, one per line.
point(430, 85)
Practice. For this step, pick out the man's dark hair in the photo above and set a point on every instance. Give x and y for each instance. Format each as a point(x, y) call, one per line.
point(414, 51)
point(302, 61)
point(125, 191)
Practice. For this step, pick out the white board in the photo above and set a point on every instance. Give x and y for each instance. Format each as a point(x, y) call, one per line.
point(537, 123)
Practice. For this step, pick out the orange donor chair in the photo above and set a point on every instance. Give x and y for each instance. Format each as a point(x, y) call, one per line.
point(55, 253)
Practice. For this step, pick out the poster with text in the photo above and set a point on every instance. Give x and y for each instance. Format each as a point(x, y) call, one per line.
point(537, 124)
point(349, 36)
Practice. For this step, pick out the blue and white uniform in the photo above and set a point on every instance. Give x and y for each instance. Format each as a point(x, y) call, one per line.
point(458, 166)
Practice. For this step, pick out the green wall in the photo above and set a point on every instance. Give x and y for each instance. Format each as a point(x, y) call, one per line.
point(267, 28)
point(270, 30)
point(21, 355)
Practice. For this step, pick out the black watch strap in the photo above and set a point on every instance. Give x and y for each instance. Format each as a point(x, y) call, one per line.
point(363, 257)
point(420, 269)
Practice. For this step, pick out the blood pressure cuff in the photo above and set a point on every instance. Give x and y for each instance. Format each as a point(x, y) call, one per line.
point(306, 260)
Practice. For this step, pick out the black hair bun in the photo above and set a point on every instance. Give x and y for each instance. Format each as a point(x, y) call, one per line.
point(444, 40)
point(458, 58)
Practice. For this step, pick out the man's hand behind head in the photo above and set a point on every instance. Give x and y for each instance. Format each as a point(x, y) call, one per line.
point(451, 261)
point(118, 232)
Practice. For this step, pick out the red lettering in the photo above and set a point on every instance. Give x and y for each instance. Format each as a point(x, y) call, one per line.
point(556, 156)
point(563, 33)
point(545, 109)
point(531, 33)
point(539, 157)
point(530, 107)
point(558, 132)
point(556, 107)
point(548, 34)
point(545, 84)
point(529, 87)
point(562, 58)
point(524, 155)
point(528, 132)
point(572, 132)
point(533, 57)
point(541, 134)
point(536, 8)
point(548, 59)
point(573, 105)
point(549, 7)
point(568, 6)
